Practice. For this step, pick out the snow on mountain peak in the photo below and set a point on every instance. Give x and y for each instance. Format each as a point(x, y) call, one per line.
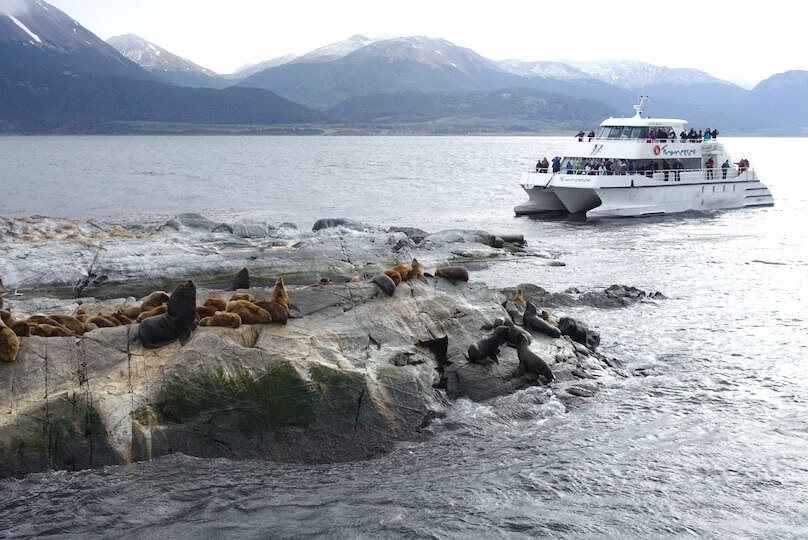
point(153, 57)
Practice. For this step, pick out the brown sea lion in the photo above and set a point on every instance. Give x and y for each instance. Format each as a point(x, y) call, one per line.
point(385, 283)
point(18, 326)
point(120, 317)
point(417, 270)
point(519, 300)
point(155, 299)
point(72, 323)
point(242, 281)
point(215, 302)
point(9, 343)
point(89, 327)
point(101, 322)
point(81, 314)
point(487, 347)
point(249, 312)
point(546, 316)
point(279, 294)
point(453, 273)
point(205, 311)
point(278, 313)
point(403, 270)
point(355, 279)
point(49, 330)
point(222, 318)
point(159, 310)
point(243, 296)
point(130, 312)
point(392, 274)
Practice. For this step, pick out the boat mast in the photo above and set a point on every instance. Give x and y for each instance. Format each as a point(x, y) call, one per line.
point(638, 110)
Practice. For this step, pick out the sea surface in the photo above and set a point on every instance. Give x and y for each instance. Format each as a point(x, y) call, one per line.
point(707, 439)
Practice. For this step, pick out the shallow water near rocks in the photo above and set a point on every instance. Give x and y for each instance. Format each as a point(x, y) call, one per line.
point(707, 439)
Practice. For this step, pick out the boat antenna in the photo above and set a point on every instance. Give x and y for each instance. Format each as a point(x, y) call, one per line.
point(638, 107)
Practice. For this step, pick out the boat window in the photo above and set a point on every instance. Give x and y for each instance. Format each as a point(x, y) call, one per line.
point(603, 133)
point(614, 133)
point(639, 133)
point(625, 133)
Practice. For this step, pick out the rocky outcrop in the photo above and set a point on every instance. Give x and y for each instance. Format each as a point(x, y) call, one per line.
point(357, 373)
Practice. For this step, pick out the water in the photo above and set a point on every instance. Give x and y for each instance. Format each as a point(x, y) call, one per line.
point(710, 441)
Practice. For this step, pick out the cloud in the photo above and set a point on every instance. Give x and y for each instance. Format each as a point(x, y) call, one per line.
point(13, 7)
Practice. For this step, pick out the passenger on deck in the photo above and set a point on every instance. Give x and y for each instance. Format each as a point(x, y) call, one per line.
point(677, 166)
point(742, 165)
point(556, 164)
point(569, 167)
point(580, 136)
point(538, 166)
point(724, 169)
point(683, 135)
point(544, 164)
point(577, 166)
point(692, 135)
point(715, 134)
point(666, 165)
point(650, 137)
point(632, 167)
point(672, 135)
point(709, 165)
point(707, 134)
point(591, 134)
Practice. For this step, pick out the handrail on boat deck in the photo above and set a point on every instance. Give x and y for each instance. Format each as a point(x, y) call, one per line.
point(717, 173)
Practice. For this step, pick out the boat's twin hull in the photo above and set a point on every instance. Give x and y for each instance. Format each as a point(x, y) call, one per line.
point(604, 201)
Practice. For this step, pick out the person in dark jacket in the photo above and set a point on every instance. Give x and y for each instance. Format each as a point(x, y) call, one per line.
point(724, 169)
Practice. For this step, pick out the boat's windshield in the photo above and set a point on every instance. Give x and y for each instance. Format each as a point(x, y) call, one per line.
point(633, 132)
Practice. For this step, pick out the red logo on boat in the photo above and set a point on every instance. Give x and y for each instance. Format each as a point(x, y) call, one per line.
point(657, 149)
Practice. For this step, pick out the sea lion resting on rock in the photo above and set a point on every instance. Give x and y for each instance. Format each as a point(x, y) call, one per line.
point(487, 347)
point(242, 281)
point(71, 323)
point(531, 362)
point(546, 316)
point(155, 299)
point(249, 312)
point(243, 296)
point(279, 294)
point(176, 323)
point(519, 300)
point(49, 330)
point(278, 313)
point(18, 326)
point(130, 312)
point(403, 270)
point(222, 318)
point(453, 273)
point(9, 343)
point(534, 322)
point(385, 283)
point(417, 270)
point(159, 310)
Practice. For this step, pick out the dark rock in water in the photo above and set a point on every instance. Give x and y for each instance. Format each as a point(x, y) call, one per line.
point(613, 296)
point(579, 332)
point(329, 223)
point(555, 263)
point(194, 222)
point(657, 296)
point(414, 234)
point(580, 391)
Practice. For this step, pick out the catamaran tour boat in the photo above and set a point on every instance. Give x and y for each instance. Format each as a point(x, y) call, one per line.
point(642, 166)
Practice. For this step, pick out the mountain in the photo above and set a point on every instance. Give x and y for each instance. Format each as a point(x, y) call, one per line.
point(56, 76)
point(249, 69)
point(780, 100)
point(512, 109)
point(165, 65)
point(334, 51)
point(413, 63)
point(35, 35)
point(544, 69)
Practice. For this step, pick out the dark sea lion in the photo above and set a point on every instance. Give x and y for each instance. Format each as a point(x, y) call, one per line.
point(159, 310)
point(243, 296)
point(242, 280)
point(385, 283)
point(155, 299)
point(249, 312)
point(279, 294)
point(514, 332)
point(222, 318)
point(453, 273)
point(531, 362)
point(9, 343)
point(278, 313)
point(487, 347)
point(176, 323)
point(392, 274)
point(533, 322)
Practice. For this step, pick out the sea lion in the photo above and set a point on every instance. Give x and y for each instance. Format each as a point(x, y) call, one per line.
point(18, 326)
point(514, 332)
point(453, 273)
point(9, 343)
point(519, 300)
point(279, 294)
point(403, 270)
point(72, 323)
point(155, 299)
point(89, 327)
point(81, 314)
point(242, 281)
point(130, 312)
point(101, 322)
point(392, 274)
point(2, 290)
point(546, 316)
point(222, 318)
point(532, 363)
point(242, 296)
point(176, 323)
point(533, 322)
point(215, 302)
point(487, 347)
point(355, 279)
point(417, 270)
point(249, 312)
point(120, 317)
point(159, 310)
point(49, 330)
point(385, 283)
point(278, 313)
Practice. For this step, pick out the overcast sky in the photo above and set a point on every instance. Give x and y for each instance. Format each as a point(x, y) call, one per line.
point(741, 41)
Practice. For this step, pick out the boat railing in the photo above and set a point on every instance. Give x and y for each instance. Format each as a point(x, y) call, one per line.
point(644, 139)
point(716, 173)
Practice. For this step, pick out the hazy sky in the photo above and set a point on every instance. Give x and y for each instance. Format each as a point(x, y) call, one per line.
point(741, 41)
